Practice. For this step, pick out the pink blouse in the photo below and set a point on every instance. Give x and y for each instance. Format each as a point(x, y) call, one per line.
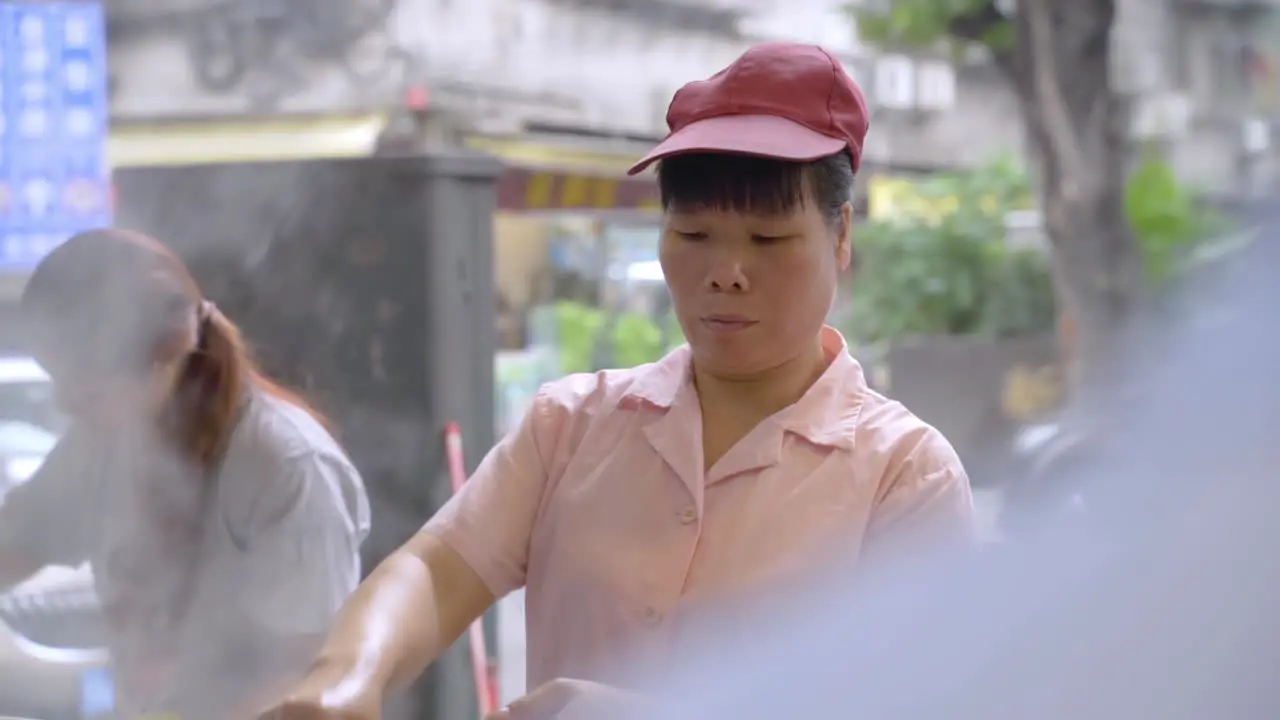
point(599, 505)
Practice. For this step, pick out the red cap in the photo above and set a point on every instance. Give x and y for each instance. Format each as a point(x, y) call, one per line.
point(783, 101)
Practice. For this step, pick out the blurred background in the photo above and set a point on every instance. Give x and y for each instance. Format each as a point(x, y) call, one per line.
point(418, 212)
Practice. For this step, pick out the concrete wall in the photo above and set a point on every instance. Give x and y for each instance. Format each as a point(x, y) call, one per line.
point(506, 62)
point(1198, 51)
point(503, 57)
point(503, 63)
point(983, 123)
point(154, 78)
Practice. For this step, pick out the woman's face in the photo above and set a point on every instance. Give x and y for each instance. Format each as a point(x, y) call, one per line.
point(752, 291)
point(108, 399)
point(106, 396)
point(115, 384)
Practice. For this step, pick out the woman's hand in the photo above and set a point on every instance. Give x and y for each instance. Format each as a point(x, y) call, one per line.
point(566, 699)
point(329, 693)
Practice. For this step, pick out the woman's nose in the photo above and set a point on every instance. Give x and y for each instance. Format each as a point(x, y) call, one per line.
point(727, 276)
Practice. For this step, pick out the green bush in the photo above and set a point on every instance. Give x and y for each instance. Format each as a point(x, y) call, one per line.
point(945, 268)
point(576, 327)
point(951, 272)
point(1167, 219)
point(637, 339)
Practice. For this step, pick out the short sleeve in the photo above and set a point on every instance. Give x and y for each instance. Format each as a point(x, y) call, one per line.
point(490, 521)
point(43, 519)
point(925, 502)
point(298, 539)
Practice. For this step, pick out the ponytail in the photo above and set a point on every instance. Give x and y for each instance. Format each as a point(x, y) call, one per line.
point(211, 387)
point(215, 383)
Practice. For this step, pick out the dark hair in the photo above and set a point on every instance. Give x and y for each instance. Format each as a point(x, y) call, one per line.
point(751, 184)
point(118, 302)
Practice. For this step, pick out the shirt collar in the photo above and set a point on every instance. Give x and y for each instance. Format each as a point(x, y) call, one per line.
point(659, 383)
point(826, 414)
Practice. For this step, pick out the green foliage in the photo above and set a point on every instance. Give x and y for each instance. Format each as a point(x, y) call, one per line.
point(637, 339)
point(674, 334)
point(1167, 219)
point(923, 23)
point(576, 328)
point(945, 267)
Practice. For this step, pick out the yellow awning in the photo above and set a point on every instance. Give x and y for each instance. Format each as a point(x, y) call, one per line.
point(160, 143)
point(242, 141)
point(517, 151)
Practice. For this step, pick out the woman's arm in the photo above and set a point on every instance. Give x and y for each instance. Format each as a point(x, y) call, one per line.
point(299, 529)
point(295, 525)
point(405, 615)
point(41, 519)
point(420, 599)
point(384, 636)
point(924, 505)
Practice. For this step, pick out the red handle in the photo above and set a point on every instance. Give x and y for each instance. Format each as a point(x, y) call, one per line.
point(486, 682)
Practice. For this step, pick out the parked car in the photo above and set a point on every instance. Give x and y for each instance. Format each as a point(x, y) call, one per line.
point(53, 661)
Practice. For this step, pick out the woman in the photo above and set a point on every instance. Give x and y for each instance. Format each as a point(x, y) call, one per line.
point(734, 462)
point(221, 520)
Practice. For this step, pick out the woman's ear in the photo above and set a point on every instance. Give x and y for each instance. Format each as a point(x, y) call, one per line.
point(844, 237)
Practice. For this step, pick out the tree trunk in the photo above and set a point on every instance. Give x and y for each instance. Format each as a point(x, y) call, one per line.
point(1079, 127)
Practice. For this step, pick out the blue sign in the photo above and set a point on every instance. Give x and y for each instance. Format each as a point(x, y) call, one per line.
point(54, 179)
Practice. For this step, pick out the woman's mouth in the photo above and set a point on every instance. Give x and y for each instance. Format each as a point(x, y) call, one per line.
point(727, 323)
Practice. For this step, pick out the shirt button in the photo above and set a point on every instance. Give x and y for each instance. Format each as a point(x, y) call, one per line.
point(652, 616)
point(688, 515)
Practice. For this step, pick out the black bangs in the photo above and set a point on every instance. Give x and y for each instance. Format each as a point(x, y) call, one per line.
point(736, 183)
point(759, 186)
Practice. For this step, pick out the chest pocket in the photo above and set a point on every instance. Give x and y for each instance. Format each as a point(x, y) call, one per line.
point(627, 525)
point(618, 526)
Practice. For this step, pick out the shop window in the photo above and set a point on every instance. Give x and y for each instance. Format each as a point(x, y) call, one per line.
point(577, 295)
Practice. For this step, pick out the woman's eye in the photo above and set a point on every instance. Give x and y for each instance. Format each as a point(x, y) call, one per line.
point(692, 235)
point(769, 239)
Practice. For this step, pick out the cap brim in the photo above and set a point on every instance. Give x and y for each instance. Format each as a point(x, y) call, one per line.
point(764, 136)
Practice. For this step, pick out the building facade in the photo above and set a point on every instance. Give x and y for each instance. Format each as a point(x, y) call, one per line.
point(1204, 76)
point(596, 75)
point(593, 72)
